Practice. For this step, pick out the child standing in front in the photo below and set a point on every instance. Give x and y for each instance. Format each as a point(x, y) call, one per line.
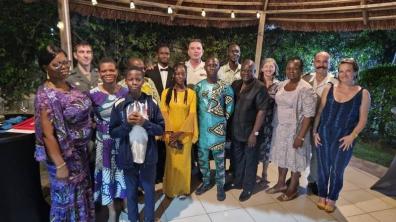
point(137, 170)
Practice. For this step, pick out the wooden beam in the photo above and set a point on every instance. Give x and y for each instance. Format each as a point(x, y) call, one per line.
point(337, 20)
point(260, 37)
point(163, 14)
point(206, 2)
point(364, 12)
point(333, 9)
point(313, 3)
point(186, 8)
point(179, 2)
point(65, 34)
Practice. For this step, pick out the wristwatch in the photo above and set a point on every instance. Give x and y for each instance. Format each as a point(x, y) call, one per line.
point(256, 133)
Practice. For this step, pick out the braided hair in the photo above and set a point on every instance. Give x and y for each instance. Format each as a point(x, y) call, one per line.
point(172, 89)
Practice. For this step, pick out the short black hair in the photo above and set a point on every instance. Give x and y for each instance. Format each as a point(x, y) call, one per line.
point(296, 58)
point(162, 45)
point(47, 54)
point(133, 68)
point(106, 60)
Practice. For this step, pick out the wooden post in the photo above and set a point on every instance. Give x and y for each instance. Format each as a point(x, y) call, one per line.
point(64, 28)
point(260, 37)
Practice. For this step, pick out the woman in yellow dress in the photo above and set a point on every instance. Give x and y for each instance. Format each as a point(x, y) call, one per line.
point(178, 107)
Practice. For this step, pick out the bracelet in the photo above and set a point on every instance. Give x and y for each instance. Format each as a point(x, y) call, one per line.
point(355, 135)
point(300, 138)
point(60, 166)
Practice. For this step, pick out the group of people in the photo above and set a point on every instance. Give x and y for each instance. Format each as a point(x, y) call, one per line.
point(309, 120)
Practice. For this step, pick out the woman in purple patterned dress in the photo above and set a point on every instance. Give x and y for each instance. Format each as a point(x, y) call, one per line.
point(109, 180)
point(63, 130)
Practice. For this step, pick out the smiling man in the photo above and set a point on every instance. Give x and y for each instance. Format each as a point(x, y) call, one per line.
point(231, 71)
point(83, 76)
point(318, 80)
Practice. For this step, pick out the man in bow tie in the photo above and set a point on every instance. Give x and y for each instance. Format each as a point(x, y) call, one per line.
point(161, 74)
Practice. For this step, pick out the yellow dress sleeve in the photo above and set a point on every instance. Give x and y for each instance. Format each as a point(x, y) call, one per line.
point(165, 111)
point(190, 125)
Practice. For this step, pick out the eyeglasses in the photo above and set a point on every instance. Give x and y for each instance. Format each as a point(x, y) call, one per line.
point(59, 65)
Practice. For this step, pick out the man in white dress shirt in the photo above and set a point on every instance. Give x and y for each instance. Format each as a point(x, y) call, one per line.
point(195, 66)
point(231, 71)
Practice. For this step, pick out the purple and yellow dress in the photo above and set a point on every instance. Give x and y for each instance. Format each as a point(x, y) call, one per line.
point(69, 113)
point(109, 180)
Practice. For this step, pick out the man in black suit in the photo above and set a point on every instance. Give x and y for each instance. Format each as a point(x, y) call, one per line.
point(162, 76)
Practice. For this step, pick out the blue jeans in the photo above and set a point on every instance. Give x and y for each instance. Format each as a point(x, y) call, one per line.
point(141, 175)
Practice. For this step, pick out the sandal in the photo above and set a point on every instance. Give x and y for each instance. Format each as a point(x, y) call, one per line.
point(284, 197)
point(330, 208)
point(321, 205)
point(273, 189)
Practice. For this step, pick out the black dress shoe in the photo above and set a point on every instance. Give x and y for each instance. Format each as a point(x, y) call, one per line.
point(231, 186)
point(245, 195)
point(202, 189)
point(221, 195)
point(313, 188)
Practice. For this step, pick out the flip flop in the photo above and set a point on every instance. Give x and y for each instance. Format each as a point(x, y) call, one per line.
point(284, 197)
point(273, 190)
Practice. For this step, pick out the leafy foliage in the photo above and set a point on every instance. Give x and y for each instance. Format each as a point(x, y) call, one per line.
point(381, 82)
point(24, 28)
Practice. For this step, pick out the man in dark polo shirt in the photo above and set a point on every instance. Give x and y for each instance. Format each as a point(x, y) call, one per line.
point(251, 102)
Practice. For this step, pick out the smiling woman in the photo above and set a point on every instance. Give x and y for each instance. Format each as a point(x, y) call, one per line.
point(109, 180)
point(63, 130)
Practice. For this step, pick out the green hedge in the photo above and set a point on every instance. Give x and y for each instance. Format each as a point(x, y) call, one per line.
point(381, 83)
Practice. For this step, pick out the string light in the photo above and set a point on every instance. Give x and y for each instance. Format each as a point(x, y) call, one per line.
point(60, 25)
point(232, 14)
point(170, 11)
point(203, 13)
point(132, 5)
point(258, 15)
point(94, 2)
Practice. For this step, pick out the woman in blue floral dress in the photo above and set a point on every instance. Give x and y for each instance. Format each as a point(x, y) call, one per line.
point(109, 180)
point(63, 130)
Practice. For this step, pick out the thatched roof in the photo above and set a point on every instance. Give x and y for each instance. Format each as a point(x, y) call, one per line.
point(298, 15)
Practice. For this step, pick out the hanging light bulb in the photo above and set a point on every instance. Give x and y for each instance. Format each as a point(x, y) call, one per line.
point(132, 5)
point(94, 2)
point(203, 13)
point(232, 14)
point(258, 15)
point(60, 25)
point(170, 11)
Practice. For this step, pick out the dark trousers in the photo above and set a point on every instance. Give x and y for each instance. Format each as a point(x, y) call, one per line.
point(245, 165)
point(143, 175)
point(332, 162)
point(161, 160)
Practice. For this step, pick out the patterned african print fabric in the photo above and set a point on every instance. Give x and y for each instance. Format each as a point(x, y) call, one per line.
point(109, 180)
point(215, 106)
point(71, 199)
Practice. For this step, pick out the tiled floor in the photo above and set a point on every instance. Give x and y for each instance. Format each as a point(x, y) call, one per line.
point(357, 203)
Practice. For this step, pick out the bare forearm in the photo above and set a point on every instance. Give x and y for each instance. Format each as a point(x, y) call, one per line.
point(259, 121)
point(53, 150)
point(305, 126)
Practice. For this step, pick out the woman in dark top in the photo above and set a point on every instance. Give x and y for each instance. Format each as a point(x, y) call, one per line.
point(341, 117)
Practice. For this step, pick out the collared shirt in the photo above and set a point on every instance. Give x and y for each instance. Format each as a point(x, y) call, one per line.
point(194, 75)
point(164, 75)
point(228, 75)
point(249, 102)
point(319, 87)
point(81, 82)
